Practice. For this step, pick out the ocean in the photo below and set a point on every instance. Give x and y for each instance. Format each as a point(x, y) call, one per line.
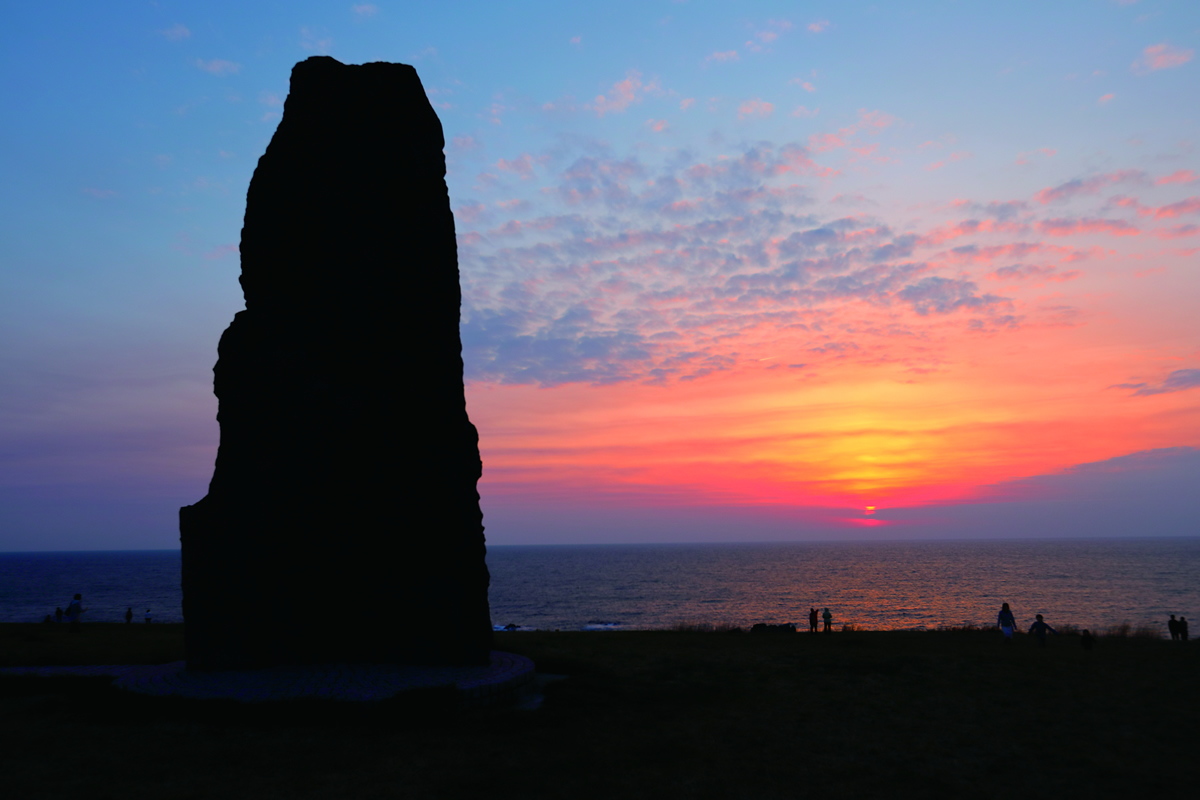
point(1093, 583)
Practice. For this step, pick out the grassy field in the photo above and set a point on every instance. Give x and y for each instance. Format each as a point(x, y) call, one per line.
point(640, 714)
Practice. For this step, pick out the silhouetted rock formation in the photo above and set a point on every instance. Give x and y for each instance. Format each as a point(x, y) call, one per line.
point(342, 523)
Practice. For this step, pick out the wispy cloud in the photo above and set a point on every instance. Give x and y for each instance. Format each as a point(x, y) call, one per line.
point(1161, 56)
point(1105, 99)
point(723, 56)
point(1088, 186)
point(1178, 176)
point(218, 67)
point(1071, 227)
point(819, 26)
point(365, 9)
point(176, 33)
point(1178, 381)
point(622, 94)
point(315, 40)
point(755, 108)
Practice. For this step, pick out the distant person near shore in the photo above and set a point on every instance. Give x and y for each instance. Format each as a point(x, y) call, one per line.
point(148, 617)
point(1183, 629)
point(812, 620)
point(1173, 628)
point(1006, 622)
point(75, 610)
point(1086, 639)
point(58, 614)
point(1039, 629)
point(825, 615)
point(128, 615)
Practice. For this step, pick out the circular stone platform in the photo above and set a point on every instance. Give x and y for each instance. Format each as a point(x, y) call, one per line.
point(481, 685)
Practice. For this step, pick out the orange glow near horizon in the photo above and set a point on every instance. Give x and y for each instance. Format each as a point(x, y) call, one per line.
point(843, 434)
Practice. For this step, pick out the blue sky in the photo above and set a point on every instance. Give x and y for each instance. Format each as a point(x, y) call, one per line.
point(967, 224)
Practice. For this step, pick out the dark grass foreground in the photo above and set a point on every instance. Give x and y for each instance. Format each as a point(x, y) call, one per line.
point(641, 714)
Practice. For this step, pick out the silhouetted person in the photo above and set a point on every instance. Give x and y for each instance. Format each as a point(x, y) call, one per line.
point(1173, 628)
point(825, 615)
point(1039, 629)
point(1086, 639)
point(75, 610)
point(812, 620)
point(128, 615)
point(49, 620)
point(1183, 629)
point(58, 614)
point(1006, 622)
point(147, 616)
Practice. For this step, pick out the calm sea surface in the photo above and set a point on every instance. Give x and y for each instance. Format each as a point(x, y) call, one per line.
point(1088, 583)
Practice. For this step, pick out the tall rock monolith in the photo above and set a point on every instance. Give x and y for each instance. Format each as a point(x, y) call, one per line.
point(342, 523)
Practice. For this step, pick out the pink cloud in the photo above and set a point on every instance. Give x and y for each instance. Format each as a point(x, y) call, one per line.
point(877, 120)
point(1070, 227)
point(576, 40)
point(969, 227)
point(1106, 98)
point(1188, 206)
point(365, 10)
point(818, 27)
point(1083, 186)
point(1161, 56)
point(822, 142)
point(728, 55)
point(218, 67)
point(686, 103)
point(657, 125)
point(1023, 271)
point(1177, 231)
point(1023, 158)
point(802, 111)
point(963, 156)
point(620, 96)
point(470, 214)
point(1178, 176)
point(521, 165)
point(755, 108)
point(221, 251)
point(466, 143)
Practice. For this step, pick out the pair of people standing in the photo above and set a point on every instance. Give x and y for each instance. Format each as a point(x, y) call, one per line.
point(812, 620)
point(1008, 624)
point(1178, 628)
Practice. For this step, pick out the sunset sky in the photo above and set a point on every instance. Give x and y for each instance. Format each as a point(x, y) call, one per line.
point(731, 271)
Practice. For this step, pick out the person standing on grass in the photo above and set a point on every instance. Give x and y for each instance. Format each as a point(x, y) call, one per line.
point(812, 620)
point(128, 615)
point(1007, 622)
point(1039, 630)
point(1173, 628)
point(1183, 629)
point(147, 616)
point(75, 609)
point(825, 615)
point(58, 614)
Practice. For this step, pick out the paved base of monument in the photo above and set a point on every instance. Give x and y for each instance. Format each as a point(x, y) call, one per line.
point(501, 680)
